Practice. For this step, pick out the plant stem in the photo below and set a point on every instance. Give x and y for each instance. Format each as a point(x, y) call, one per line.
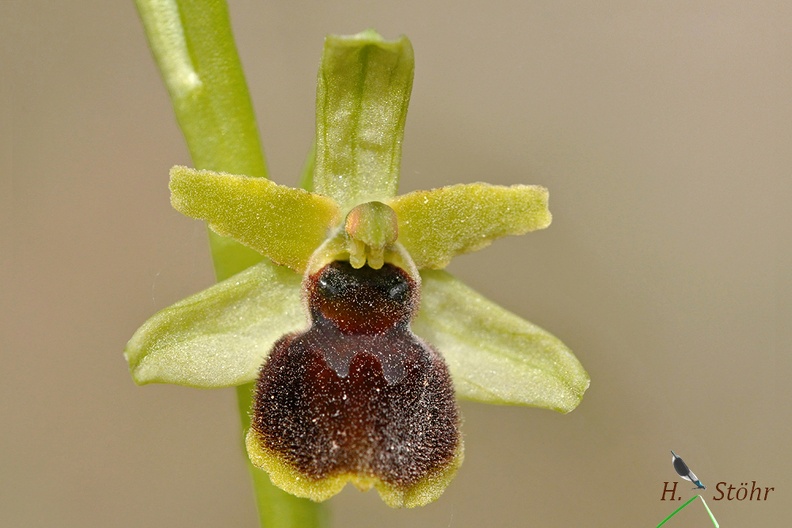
point(194, 48)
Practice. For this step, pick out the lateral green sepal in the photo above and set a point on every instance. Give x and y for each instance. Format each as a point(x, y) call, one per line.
point(494, 355)
point(221, 336)
point(282, 223)
point(436, 225)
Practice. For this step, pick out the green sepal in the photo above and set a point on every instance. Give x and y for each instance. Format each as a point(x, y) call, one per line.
point(361, 105)
point(436, 225)
point(282, 223)
point(221, 336)
point(494, 355)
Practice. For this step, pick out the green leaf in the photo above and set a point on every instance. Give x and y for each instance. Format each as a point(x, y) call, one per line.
point(283, 223)
point(436, 225)
point(361, 106)
point(220, 336)
point(495, 356)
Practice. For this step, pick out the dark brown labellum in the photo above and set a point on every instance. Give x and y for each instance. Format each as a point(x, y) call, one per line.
point(358, 396)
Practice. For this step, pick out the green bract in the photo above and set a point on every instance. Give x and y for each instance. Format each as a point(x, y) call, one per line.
point(221, 336)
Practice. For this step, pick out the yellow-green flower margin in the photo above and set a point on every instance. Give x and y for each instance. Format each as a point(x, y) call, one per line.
point(287, 478)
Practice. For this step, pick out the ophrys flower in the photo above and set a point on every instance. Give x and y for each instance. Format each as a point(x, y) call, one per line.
point(352, 377)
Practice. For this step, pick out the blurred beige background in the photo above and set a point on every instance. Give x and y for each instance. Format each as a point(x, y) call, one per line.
point(662, 130)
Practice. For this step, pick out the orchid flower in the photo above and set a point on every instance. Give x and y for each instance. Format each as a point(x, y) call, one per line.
point(357, 339)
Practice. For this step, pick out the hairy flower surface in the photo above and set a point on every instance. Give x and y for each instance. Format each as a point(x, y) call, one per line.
point(355, 336)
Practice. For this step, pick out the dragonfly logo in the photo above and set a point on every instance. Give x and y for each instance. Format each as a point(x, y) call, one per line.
point(684, 471)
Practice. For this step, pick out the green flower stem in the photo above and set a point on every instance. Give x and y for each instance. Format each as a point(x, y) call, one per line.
point(193, 45)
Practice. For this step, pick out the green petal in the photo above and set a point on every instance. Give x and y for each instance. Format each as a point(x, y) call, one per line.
point(220, 336)
point(361, 106)
point(283, 223)
point(495, 356)
point(436, 225)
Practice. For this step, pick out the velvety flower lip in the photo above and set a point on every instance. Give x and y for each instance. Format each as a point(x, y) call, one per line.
point(357, 397)
point(264, 320)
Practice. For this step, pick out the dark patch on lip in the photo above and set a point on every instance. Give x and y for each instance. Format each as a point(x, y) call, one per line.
point(358, 392)
point(364, 300)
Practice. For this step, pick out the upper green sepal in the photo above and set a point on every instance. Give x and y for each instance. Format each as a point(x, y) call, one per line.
point(495, 356)
point(434, 226)
point(362, 96)
point(220, 336)
point(282, 223)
